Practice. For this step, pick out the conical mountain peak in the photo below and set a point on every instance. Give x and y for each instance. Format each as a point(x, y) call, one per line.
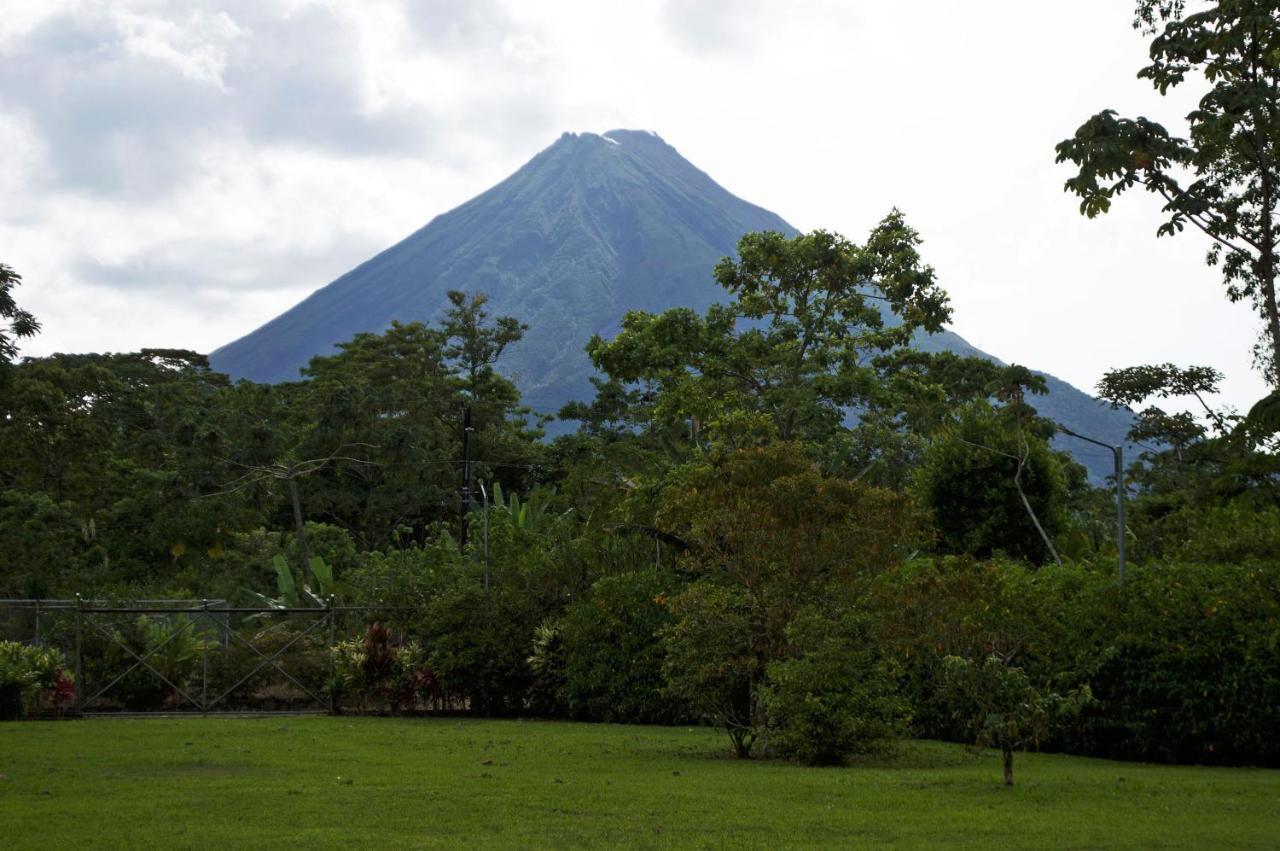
point(591, 227)
point(594, 225)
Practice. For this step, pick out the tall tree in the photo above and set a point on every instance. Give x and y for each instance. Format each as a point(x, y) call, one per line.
point(792, 352)
point(492, 427)
point(130, 445)
point(474, 344)
point(392, 403)
point(18, 323)
point(1224, 179)
point(990, 478)
point(776, 536)
point(388, 400)
point(1134, 385)
point(1192, 467)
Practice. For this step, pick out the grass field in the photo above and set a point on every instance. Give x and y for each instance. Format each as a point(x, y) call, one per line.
point(378, 782)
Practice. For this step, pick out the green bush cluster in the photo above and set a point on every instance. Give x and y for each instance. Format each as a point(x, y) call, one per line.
point(29, 672)
point(1182, 660)
point(1234, 533)
point(612, 658)
point(379, 674)
point(816, 657)
point(965, 479)
point(558, 631)
point(837, 696)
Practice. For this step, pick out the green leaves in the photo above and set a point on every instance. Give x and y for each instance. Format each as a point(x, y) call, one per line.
point(475, 342)
point(293, 596)
point(1135, 384)
point(836, 693)
point(323, 574)
point(284, 581)
point(711, 659)
point(1262, 423)
point(975, 475)
point(795, 344)
point(21, 323)
point(1115, 154)
point(1003, 708)
point(1224, 179)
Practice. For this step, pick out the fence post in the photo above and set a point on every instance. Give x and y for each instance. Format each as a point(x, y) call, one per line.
point(80, 685)
point(333, 660)
point(204, 664)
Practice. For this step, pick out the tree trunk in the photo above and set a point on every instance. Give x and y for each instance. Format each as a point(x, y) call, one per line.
point(1267, 268)
point(1272, 312)
point(304, 552)
point(1008, 766)
point(742, 741)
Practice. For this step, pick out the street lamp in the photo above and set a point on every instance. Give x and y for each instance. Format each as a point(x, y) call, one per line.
point(1118, 453)
point(485, 495)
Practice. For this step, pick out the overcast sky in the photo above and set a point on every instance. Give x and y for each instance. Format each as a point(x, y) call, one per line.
point(178, 173)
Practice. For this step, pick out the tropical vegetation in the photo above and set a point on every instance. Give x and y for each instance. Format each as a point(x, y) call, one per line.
point(774, 517)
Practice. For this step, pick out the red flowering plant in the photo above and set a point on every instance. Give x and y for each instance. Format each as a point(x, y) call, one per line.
point(380, 673)
point(63, 691)
point(26, 673)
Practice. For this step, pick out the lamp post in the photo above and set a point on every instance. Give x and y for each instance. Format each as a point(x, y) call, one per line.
point(485, 496)
point(1118, 453)
point(465, 492)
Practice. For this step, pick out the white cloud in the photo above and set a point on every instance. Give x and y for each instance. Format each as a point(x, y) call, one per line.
point(196, 46)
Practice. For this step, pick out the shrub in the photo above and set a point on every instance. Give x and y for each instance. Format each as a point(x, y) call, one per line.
point(404, 578)
point(27, 671)
point(777, 536)
point(837, 697)
point(380, 673)
point(612, 655)
point(546, 663)
point(1225, 534)
point(1003, 709)
point(478, 644)
point(711, 662)
point(967, 481)
point(1182, 660)
point(926, 610)
point(1187, 668)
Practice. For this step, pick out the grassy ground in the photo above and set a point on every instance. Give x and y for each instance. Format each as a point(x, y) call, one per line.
point(369, 782)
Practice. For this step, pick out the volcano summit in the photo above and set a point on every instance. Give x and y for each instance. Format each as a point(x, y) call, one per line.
point(591, 227)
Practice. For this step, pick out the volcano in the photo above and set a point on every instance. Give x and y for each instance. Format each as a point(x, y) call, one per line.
point(593, 226)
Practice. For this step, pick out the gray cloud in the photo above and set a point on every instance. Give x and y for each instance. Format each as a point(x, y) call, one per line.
point(721, 25)
point(210, 154)
point(123, 104)
point(207, 265)
point(458, 24)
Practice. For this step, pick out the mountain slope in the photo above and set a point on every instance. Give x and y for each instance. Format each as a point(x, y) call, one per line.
point(588, 229)
point(1063, 404)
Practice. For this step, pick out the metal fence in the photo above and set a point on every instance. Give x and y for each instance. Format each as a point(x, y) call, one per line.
point(189, 656)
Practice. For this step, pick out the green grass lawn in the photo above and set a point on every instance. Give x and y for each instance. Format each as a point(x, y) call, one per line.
point(371, 782)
